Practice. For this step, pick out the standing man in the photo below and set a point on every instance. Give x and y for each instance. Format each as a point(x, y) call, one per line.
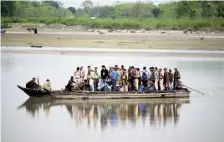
point(82, 73)
point(166, 79)
point(113, 77)
point(136, 79)
point(90, 79)
point(104, 75)
point(88, 73)
point(171, 78)
point(96, 78)
point(125, 80)
point(156, 73)
point(144, 77)
point(160, 80)
point(122, 68)
point(176, 78)
point(152, 75)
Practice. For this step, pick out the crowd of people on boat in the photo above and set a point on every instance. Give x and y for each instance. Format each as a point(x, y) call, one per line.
point(118, 79)
point(121, 79)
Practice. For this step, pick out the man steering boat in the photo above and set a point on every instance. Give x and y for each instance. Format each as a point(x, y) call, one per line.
point(32, 84)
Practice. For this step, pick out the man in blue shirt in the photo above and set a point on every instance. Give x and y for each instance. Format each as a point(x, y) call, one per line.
point(113, 77)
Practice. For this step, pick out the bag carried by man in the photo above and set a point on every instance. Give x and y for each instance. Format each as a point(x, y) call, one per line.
point(144, 75)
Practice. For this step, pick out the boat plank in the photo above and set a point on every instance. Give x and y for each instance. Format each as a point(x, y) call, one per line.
point(119, 96)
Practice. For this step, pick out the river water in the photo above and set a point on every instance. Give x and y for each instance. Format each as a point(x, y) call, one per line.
point(198, 119)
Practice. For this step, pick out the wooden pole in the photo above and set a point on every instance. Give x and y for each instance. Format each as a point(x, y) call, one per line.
point(194, 90)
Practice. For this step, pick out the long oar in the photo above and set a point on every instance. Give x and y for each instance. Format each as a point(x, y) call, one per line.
point(194, 90)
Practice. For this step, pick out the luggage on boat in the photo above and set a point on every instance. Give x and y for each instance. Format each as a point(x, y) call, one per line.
point(105, 88)
point(141, 88)
point(147, 89)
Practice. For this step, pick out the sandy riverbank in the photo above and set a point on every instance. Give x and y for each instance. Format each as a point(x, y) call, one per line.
point(153, 40)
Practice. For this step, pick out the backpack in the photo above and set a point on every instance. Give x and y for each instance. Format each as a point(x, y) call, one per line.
point(144, 76)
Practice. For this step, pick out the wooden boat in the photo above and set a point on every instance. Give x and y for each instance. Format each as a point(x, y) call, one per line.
point(34, 93)
point(58, 94)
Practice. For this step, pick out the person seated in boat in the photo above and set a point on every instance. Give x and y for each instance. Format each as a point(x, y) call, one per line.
point(85, 86)
point(150, 87)
point(47, 85)
point(179, 86)
point(70, 86)
point(32, 84)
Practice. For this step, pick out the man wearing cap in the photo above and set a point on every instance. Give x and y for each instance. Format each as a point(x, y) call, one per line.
point(47, 85)
point(32, 84)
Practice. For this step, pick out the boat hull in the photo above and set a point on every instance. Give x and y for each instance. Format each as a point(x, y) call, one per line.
point(106, 95)
point(132, 95)
point(34, 93)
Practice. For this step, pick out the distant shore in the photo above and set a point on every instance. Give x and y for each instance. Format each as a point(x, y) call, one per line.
point(122, 40)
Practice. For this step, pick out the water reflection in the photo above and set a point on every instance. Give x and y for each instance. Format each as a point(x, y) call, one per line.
point(157, 112)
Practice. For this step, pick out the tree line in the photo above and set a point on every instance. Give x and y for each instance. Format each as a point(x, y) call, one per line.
point(133, 15)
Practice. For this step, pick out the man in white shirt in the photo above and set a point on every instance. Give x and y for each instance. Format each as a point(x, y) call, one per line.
point(47, 85)
point(156, 75)
point(90, 78)
point(82, 73)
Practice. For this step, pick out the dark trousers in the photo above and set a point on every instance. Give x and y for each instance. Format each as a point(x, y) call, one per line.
point(96, 81)
point(144, 83)
point(174, 84)
point(113, 84)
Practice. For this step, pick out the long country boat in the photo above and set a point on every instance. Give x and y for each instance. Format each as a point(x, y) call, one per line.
point(58, 94)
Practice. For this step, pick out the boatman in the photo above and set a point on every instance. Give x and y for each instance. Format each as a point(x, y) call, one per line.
point(47, 85)
point(32, 84)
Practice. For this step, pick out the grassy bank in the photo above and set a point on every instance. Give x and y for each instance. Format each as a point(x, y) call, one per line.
point(127, 23)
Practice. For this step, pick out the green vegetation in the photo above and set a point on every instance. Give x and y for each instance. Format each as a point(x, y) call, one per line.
point(193, 15)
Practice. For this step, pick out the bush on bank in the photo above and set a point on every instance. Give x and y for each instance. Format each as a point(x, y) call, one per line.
point(125, 23)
